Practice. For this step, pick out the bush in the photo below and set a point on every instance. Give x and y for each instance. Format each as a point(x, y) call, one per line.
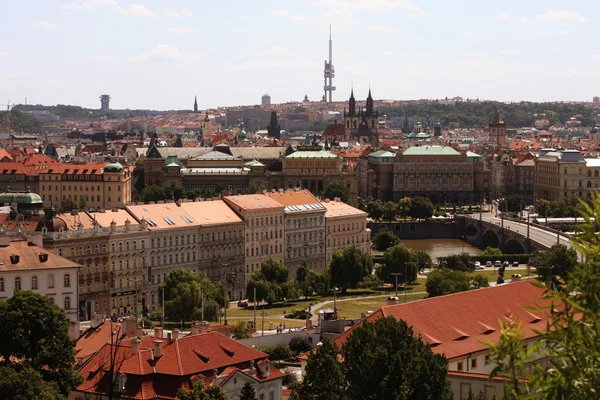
point(242, 330)
point(446, 281)
point(297, 314)
point(278, 352)
point(300, 344)
point(479, 281)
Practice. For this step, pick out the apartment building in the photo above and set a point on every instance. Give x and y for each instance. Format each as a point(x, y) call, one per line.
point(345, 226)
point(264, 228)
point(304, 229)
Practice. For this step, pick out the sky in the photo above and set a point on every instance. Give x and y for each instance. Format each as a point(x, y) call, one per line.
point(151, 54)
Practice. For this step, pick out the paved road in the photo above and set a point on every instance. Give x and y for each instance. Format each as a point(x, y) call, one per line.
point(537, 234)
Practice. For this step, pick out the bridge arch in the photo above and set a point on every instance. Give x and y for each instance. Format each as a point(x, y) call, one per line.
point(471, 230)
point(491, 239)
point(513, 246)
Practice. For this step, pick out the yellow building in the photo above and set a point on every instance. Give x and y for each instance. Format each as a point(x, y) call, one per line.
point(345, 226)
point(98, 185)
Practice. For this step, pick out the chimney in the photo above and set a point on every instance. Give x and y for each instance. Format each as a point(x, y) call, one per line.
point(169, 338)
point(204, 327)
point(158, 345)
point(158, 332)
point(175, 334)
point(195, 327)
point(136, 343)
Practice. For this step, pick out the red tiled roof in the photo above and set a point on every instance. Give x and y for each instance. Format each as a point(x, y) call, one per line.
point(337, 130)
point(456, 321)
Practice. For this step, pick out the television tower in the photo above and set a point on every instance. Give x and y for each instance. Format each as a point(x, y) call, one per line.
point(329, 73)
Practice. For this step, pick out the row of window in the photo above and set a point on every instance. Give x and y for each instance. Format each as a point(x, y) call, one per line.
point(82, 197)
point(304, 222)
point(157, 243)
point(346, 227)
point(262, 221)
point(263, 250)
point(34, 282)
point(251, 237)
point(87, 188)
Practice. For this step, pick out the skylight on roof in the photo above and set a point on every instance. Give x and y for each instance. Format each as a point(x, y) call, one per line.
point(169, 220)
point(186, 219)
point(151, 223)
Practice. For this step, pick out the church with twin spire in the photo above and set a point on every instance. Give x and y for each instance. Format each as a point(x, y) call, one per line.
point(360, 124)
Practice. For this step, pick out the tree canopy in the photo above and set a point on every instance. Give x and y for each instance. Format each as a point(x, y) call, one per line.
point(324, 379)
point(35, 332)
point(247, 392)
point(24, 383)
point(337, 189)
point(272, 283)
point(384, 240)
point(311, 281)
point(349, 266)
point(421, 208)
point(200, 392)
point(402, 260)
point(446, 281)
point(558, 260)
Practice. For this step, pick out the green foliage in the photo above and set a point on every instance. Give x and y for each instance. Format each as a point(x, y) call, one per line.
point(389, 211)
point(324, 379)
point(300, 344)
point(82, 202)
point(242, 331)
point(558, 260)
point(271, 283)
point(68, 205)
point(278, 352)
point(138, 176)
point(479, 281)
point(570, 207)
point(458, 262)
point(421, 258)
point(183, 296)
point(24, 383)
point(375, 210)
point(512, 203)
point(399, 259)
point(154, 193)
point(21, 122)
point(35, 333)
point(247, 392)
point(199, 392)
point(337, 189)
point(312, 282)
point(376, 356)
point(446, 281)
point(491, 252)
point(404, 206)
point(297, 314)
point(349, 266)
point(421, 208)
point(384, 240)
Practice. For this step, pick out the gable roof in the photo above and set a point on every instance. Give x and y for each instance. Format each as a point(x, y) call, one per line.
point(459, 324)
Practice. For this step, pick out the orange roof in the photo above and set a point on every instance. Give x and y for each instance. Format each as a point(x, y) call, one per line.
point(210, 212)
point(252, 202)
point(341, 209)
point(74, 218)
point(162, 216)
point(292, 197)
point(94, 339)
point(36, 159)
point(12, 168)
point(459, 324)
point(29, 257)
point(104, 219)
point(5, 154)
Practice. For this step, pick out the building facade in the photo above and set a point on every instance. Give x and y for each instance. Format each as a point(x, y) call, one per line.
point(345, 226)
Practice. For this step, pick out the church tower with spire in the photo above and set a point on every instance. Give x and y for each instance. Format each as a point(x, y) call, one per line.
point(195, 104)
point(360, 124)
point(497, 130)
point(206, 131)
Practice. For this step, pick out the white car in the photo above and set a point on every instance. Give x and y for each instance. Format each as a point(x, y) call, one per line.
point(478, 265)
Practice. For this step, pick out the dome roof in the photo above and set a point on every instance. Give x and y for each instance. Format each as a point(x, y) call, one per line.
point(20, 198)
point(51, 222)
point(113, 167)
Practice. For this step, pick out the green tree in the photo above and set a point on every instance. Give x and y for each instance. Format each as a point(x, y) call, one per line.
point(445, 281)
point(375, 209)
point(184, 295)
point(200, 392)
point(421, 208)
point(300, 344)
point(479, 281)
point(543, 208)
point(421, 258)
point(24, 383)
point(491, 252)
point(154, 193)
point(384, 240)
point(459, 262)
point(337, 189)
point(399, 259)
point(311, 282)
point(558, 260)
point(82, 202)
point(242, 331)
point(247, 392)
point(271, 283)
point(138, 176)
point(35, 335)
point(513, 203)
point(278, 352)
point(324, 379)
point(389, 211)
point(349, 266)
point(68, 205)
point(404, 206)
point(376, 356)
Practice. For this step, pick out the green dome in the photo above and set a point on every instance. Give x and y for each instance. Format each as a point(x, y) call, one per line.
point(172, 161)
point(242, 132)
point(113, 167)
point(20, 198)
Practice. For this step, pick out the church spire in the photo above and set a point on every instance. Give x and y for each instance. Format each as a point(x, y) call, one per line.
point(370, 103)
point(195, 104)
point(352, 103)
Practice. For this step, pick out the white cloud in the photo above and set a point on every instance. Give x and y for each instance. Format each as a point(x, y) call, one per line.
point(510, 52)
point(43, 25)
point(179, 30)
point(249, 30)
point(553, 16)
point(6, 54)
point(137, 10)
point(500, 17)
point(183, 13)
point(563, 32)
point(276, 51)
point(279, 13)
point(383, 29)
point(103, 58)
point(373, 6)
point(467, 34)
point(167, 52)
point(89, 5)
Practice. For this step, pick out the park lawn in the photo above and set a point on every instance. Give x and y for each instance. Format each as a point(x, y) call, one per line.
point(492, 274)
point(289, 323)
point(354, 309)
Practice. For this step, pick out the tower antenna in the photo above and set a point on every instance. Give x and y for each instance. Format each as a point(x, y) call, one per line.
point(329, 72)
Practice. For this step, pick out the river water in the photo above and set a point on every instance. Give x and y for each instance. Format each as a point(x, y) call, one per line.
point(441, 247)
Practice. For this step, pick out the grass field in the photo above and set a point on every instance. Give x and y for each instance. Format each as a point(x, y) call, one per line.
point(491, 274)
point(354, 309)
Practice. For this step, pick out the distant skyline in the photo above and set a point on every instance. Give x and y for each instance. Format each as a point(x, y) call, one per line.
point(151, 54)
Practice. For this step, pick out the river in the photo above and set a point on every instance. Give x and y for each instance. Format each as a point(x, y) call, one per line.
point(441, 247)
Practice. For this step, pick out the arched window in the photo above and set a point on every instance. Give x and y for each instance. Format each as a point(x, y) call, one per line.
point(67, 280)
point(67, 303)
point(589, 173)
point(34, 283)
point(50, 281)
point(17, 283)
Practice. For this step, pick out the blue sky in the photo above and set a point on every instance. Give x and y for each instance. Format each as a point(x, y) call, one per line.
point(159, 54)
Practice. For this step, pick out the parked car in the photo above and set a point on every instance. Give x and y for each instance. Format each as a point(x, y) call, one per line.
point(488, 264)
point(498, 264)
point(478, 265)
point(515, 263)
point(243, 303)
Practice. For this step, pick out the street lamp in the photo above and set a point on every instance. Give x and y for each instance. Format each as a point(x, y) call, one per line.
point(395, 274)
point(335, 291)
point(405, 279)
